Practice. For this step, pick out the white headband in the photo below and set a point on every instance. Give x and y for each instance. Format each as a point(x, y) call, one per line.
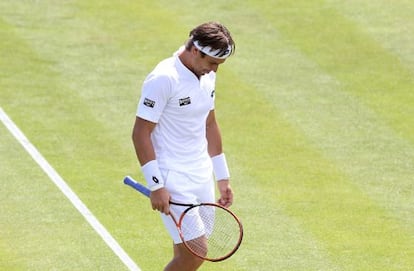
point(216, 53)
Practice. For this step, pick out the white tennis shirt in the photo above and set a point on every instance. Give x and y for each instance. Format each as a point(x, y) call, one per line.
point(174, 98)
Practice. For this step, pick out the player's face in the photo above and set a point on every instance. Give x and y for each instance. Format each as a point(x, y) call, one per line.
point(204, 64)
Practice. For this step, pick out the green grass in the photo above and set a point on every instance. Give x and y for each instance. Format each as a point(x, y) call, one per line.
point(316, 111)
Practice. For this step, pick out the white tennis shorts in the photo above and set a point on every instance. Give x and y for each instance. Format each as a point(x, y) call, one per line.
point(185, 190)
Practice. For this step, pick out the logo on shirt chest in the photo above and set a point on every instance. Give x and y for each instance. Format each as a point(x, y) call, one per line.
point(184, 101)
point(212, 93)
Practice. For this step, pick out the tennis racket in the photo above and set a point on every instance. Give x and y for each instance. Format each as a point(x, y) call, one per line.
point(208, 230)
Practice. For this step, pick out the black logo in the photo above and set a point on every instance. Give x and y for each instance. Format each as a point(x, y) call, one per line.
point(149, 103)
point(155, 180)
point(212, 93)
point(185, 101)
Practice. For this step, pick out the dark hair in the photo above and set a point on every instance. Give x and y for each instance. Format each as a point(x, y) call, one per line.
point(212, 34)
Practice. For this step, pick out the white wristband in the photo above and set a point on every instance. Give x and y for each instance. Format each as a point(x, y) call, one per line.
point(152, 175)
point(221, 170)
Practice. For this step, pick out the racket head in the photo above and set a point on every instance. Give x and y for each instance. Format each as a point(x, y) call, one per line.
point(210, 231)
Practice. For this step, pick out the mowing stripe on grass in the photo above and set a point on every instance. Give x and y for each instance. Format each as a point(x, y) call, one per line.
point(312, 187)
point(389, 24)
point(363, 66)
point(337, 113)
point(67, 191)
point(371, 161)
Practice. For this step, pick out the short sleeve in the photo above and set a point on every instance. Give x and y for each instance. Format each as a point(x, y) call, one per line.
point(208, 84)
point(155, 92)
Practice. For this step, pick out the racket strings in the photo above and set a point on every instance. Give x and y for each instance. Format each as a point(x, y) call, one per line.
point(210, 231)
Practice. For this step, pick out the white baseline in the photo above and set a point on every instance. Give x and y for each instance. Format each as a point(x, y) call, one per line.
point(68, 192)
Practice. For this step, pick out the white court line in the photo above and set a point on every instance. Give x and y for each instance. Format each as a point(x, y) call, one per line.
point(62, 185)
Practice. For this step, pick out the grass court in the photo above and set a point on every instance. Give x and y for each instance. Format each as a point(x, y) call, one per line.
point(316, 109)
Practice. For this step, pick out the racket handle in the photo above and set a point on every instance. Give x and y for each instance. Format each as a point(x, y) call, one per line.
point(137, 186)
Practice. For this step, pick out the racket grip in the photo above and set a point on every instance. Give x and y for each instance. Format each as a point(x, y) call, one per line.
point(137, 186)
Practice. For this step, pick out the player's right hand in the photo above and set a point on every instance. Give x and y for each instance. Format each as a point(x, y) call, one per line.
point(160, 200)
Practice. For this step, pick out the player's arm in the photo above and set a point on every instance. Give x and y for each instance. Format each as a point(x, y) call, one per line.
point(215, 150)
point(213, 135)
point(141, 137)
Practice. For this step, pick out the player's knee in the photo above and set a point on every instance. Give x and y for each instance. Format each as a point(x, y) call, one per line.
point(185, 263)
point(192, 259)
point(196, 262)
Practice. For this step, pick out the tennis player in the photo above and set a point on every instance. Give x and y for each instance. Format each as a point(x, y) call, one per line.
point(176, 136)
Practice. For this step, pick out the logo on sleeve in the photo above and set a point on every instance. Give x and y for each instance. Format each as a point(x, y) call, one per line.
point(212, 93)
point(185, 101)
point(155, 179)
point(149, 103)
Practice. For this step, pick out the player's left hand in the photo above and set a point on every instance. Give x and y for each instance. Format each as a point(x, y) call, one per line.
point(226, 193)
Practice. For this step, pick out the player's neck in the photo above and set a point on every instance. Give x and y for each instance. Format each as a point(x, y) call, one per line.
point(185, 58)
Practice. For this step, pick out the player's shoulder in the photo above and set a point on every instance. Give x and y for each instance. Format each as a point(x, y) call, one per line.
point(165, 69)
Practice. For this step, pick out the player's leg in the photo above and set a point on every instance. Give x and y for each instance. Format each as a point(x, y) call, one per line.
point(181, 191)
point(183, 260)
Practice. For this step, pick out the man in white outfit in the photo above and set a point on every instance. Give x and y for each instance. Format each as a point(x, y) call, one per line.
point(176, 135)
